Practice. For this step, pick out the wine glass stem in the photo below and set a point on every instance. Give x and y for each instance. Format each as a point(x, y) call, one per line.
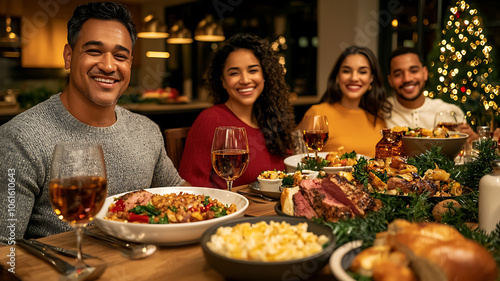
point(79, 260)
point(229, 185)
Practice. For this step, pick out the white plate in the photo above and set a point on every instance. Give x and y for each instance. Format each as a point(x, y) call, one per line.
point(170, 234)
point(292, 161)
point(341, 259)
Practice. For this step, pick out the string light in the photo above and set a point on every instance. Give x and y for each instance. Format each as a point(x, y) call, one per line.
point(463, 61)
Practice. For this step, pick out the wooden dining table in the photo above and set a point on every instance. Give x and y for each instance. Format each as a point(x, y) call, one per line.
point(167, 263)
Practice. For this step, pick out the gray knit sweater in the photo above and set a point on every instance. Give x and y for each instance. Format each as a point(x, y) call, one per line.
point(134, 153)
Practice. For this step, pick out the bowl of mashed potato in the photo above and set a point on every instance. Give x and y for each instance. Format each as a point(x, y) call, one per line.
point(268, 248)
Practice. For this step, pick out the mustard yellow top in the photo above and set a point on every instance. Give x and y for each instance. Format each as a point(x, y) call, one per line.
point(350, 128)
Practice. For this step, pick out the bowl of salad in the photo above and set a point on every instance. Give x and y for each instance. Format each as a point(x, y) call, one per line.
point(168, 215)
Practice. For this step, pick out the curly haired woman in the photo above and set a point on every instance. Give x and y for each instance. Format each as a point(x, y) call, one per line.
point(249, 90)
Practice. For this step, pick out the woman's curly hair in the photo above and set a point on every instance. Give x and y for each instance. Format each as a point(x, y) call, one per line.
point(272, 109)
point(374, 101)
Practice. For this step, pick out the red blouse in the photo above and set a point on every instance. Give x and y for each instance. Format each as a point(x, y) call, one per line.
point(196, 164)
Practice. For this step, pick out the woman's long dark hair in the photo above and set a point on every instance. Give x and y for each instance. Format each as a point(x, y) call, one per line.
point(374, 100)
point(272, 109)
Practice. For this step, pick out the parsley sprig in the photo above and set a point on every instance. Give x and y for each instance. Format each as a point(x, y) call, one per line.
point(312, 163)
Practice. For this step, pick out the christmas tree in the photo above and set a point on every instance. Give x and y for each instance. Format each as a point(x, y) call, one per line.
point(461, 68)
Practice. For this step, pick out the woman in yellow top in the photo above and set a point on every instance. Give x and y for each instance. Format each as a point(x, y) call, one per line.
point(353, 101)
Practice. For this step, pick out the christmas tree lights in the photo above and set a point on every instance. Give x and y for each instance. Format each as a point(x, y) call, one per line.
point(461, 68)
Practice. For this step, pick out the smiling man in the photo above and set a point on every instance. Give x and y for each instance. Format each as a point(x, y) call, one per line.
point(411, 108)
point(101, 37)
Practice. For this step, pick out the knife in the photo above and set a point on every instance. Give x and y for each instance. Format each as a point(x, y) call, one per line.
point(61, 266)
point(65, 252)
point(257, 195)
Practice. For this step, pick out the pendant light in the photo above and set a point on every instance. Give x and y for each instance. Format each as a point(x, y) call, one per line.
point(179, 34)
point(208, 30)
point(152, 28)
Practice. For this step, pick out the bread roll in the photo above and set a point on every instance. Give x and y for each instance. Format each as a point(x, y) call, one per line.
point(287, 205)
point(460, 258)
point(388, 270)
point(365, 261)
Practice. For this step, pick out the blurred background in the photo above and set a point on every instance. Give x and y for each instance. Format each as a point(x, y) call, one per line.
point(308, 35)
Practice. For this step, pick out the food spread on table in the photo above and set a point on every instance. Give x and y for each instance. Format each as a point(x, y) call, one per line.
point(350, 203)
point(266, 242)
point(394, 176)
point(145, 207)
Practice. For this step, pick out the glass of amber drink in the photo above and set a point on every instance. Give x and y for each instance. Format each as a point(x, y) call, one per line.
point(230, 153)
point(77, 187)
point(315, 132)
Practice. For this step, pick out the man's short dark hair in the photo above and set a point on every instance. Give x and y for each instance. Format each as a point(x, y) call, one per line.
point(405, 50)
point(102, 11)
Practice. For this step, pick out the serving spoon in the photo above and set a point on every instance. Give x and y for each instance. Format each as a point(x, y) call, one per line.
point(129, 251)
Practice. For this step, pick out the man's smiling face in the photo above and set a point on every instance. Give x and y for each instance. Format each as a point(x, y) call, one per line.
point(101, 61)
point(407, 77)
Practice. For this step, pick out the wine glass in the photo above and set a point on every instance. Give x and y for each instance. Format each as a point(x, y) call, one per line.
point(446, 120)
point(230, 153)
point(77, 190)
point(315, 132)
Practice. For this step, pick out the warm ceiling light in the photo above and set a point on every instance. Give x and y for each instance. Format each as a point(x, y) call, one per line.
point(179, 34)
point(160, 55)
point(209, 31)
point(152, 28)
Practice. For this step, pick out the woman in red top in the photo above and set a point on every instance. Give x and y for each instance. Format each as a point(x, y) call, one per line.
point(249, 90)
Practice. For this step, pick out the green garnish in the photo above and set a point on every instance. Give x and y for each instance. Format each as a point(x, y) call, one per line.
point(349, 155)
point(312, 163)
point(360, 172)
point(161, 220)
point(287, 181)
point(150, 210)
point(222, 213)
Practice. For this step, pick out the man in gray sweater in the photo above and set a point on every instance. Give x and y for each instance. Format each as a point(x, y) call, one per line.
point(101, 37)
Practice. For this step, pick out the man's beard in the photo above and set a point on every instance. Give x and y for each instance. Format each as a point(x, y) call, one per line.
point(399, 94)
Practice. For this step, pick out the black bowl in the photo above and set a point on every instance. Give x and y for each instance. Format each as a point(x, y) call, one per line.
point(277, 209)
point(301, 269)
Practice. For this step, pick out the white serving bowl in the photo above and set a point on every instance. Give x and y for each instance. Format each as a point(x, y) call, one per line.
point(268, 185)
point(175, 233)
point(275, 185)
point(292, 161)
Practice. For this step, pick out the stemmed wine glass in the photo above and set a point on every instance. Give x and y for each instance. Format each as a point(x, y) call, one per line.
point(230, 153)
point(447, 120)
point(315, 132)
point(77, 190)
